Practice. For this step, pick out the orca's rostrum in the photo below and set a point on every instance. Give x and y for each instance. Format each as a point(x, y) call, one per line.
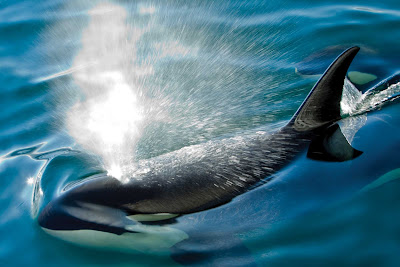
point(208, 175)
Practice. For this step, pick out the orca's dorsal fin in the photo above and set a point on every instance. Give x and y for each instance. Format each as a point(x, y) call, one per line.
point(322, 105)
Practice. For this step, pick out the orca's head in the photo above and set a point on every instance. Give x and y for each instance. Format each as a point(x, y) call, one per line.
point(98, 226)
point(64, 214)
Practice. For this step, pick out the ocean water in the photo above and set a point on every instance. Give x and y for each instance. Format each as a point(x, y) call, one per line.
point(91, 87)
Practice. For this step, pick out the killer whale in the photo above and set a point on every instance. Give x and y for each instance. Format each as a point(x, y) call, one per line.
point(208, 175)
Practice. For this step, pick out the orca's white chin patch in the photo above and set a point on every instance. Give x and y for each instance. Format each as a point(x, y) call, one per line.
point(152, 238)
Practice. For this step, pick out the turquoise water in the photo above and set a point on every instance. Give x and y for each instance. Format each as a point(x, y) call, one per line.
point(89, 87)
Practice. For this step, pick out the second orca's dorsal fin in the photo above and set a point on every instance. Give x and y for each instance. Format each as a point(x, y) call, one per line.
point(322, 105)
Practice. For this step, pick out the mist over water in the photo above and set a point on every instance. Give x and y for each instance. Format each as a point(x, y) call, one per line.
point(109, 118)
point(114, 106)
point(134, 74)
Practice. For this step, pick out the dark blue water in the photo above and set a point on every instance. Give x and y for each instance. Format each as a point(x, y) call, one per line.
point(91, 87)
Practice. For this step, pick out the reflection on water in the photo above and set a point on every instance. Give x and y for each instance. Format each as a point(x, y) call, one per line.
point(30, 180)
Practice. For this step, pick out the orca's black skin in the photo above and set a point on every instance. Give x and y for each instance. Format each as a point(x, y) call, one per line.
point(205, 176)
